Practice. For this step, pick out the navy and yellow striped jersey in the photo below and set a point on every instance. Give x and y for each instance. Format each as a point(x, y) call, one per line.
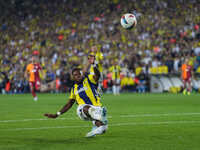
point(115, 70)
point(86, 92)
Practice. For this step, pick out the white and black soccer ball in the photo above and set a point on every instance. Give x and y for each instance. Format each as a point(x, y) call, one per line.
point(128, 21)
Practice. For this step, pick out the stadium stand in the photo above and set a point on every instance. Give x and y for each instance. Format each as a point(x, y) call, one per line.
point(62, 33)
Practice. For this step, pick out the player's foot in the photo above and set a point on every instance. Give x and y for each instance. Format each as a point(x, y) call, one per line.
point(188, 93)
point(35, 98)
point(91, 133)
point(94, 127)
point(98, 130)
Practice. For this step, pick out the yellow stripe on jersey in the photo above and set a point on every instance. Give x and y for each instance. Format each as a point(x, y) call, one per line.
point(99, 58)
point(86, 92)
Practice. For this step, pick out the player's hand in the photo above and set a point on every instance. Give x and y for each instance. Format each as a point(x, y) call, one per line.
point(51, 115)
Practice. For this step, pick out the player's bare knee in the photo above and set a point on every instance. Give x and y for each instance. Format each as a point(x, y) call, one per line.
point(85, 109)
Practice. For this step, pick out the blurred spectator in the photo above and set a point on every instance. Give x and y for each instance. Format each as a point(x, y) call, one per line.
point(142, 82)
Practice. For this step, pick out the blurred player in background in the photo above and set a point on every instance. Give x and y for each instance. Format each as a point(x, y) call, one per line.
point(32, 73)
point(187, 77)
point(84, 93)
point(115, 70)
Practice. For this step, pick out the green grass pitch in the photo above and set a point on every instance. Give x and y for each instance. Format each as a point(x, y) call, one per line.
point(136, 122)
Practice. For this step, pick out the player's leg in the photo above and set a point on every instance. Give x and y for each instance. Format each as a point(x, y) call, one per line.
point(184, 87)
point(94, 125)
point(37, 88)
point(37, 85)
point(99, 115)
point(95, 114)
point(32, 88)
point(90, 112)
point(98, 130)
point(118, 87)
point(189, 87)
point(97, 124)
point(139, 88)
point(114, 87)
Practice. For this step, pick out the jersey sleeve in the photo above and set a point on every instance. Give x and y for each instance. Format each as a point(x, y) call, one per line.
point(91, 78)
point(101, 56)
point(72, 95)
point(182, 67)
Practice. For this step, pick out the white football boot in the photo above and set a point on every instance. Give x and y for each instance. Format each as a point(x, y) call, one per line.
point(35, 98)
point(98, 130)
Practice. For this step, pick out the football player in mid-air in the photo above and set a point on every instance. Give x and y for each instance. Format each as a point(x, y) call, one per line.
point(84, 93)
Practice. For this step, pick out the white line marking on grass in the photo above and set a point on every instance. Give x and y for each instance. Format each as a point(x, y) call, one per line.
point(24, 120)
point(121, 116)
point(41, 128)
point(158, 123)
point(112, 125)
point(158, 115)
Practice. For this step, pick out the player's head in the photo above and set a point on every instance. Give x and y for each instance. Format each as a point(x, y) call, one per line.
point(91, 57)
point(77, 75)
point(186, 61)
point(34, 59)
point(91, 54)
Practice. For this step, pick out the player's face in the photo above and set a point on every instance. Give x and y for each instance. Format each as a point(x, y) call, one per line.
point(187, 61)
point(77, 76)
point(91, 59)
point(33, 59)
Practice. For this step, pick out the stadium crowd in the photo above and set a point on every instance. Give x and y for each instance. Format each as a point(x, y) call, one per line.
point(63, 32)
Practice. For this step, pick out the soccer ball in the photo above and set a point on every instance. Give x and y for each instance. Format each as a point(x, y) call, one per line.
point(128, 21)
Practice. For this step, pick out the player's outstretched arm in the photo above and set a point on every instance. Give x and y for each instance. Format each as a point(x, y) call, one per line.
point(91, 61)
point(96, 74)
point(63, 110)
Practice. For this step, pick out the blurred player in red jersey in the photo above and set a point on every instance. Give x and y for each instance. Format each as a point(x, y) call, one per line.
point(187, 77)
point(32, 73)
